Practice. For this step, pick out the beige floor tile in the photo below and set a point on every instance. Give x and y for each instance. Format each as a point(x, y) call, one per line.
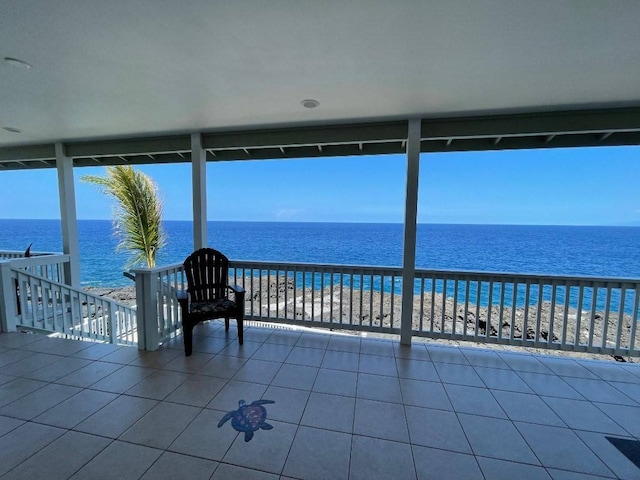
point(341, 361)
point(311, 357)
point(173, 466)
point(161, 425)
point(233, 472)
point(64, 366)
point(330, 459)
point(197, 390)
point(615, 460)
point(562, 449)
point(190, 364)
point(122, 379)
point(257, 371)
point(336, 382)
point(500, 379)
point(507, 443)
point(90, 374)
point(29, 364)
point(124, 461)
point(8, 423)
point(22, 442)
point(18, 388)
point(626, 417)
point(599, 391)
point(416, 369)
point(437, 429)
point(272, 352)
point(158, 385)
point(424, 394)
point(202, 438)
point(284, 337)
point(330, 412)
point(434, 464)
point(116, 417)
point(377, 365)
point(479, 357)
point(295, 376)
point(379, 387)
point(458, 374)
point(76, 409)
point(40, 401)
point(367, 460)
point(222, 366)
point(267, 450)
point(581, 415)
point(525, 407)
point(549, 385)
point(380, 420)
point(493, 468)
point(477, 401)
point(346, 343)
point(156, 359)
point(377, 347)
point(229, 396)
point(289, 403)
point(56, 462)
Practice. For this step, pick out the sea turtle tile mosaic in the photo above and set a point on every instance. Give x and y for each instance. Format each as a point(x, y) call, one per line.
point(248, 418)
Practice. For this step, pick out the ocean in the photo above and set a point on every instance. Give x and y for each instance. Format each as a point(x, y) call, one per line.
point(549, 250)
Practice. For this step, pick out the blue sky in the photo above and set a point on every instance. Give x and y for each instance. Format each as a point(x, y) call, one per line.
point(585, 186)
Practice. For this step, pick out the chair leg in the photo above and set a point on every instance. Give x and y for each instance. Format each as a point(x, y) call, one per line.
point(187, 334)
point(226, 324)
point(240, 320)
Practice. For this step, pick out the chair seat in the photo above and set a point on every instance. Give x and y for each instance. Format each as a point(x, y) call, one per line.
point(220, 305)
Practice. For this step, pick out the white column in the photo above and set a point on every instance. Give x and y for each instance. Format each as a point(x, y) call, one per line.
point(69, 221)
point(410, 228)
point(199, 179)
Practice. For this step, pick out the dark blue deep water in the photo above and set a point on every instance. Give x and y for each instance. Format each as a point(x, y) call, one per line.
point(554, 250)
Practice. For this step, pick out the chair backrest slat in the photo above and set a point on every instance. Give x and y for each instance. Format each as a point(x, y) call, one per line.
point(207, 272)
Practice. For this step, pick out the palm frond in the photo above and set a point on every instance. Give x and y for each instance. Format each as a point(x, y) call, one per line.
point(138, 211)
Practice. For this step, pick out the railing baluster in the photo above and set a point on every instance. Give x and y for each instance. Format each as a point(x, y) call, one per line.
point(456, 279)
point(539, 313)
point(552, 313)
point(579, 314)
point(592, 315)
point(623, 292)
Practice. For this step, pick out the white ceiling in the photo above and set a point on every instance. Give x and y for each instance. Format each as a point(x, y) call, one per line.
point(122, 68)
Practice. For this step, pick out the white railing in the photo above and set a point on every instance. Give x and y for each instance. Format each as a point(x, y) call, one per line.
point(46, 265)
point(588, 314)
point(38, 303)
point(158, 310)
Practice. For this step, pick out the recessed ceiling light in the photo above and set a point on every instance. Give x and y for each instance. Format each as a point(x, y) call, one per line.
point(16, 62)
point(12, 130)
point(309, 103)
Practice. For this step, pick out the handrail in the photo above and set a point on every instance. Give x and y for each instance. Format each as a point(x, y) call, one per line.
point(579, 313)
point(51, 306)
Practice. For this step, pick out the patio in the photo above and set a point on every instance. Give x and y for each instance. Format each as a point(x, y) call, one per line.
point(345, 407)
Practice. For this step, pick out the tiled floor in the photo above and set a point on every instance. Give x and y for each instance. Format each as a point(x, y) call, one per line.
point(344, 407)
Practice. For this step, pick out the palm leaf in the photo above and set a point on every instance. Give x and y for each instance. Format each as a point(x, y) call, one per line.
point(138, 212)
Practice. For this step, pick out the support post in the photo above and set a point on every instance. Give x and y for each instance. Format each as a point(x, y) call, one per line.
point(147, 308)
point(69, 221)
point(8, 301)
point(199, 179)
point(410, 230)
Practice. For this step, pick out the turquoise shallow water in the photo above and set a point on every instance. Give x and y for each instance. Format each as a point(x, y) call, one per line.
point(561, 250)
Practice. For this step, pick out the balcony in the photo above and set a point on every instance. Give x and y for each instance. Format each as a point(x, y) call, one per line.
point(345, 407)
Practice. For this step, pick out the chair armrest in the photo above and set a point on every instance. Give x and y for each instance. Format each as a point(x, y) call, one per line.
point(236, 288)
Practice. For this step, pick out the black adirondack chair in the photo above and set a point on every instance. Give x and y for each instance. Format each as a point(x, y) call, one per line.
point(209, 295)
